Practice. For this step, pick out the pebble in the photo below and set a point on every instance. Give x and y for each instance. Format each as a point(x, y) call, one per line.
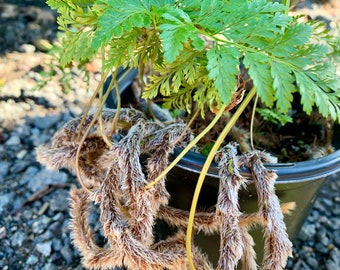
point(307, 232)
point(27, 48)
point(20, 165)
point(50, 266)
point(32, 260)
point(58, 202)
point(21, 154)
point(9, 11)
point(45, 248)
point(45, 177)
point(336, 238)
point(14, 140)
point(57, 244)
point(5, 200)
point(28, 175)
point(3, 232)
point(43, 208)
point(4, 169)
point(47, 121)
point(18, 238)
point(66, 252)
point(40, 224)
point(312, 262)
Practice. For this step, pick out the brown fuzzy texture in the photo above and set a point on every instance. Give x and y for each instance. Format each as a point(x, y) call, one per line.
point(277, 244)
point(227, 208)
point(117, 183)
point(248, 259)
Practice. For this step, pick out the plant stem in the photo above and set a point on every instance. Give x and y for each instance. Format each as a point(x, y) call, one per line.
point(252, 122)
point(192, 119)
point(115, 119)
point(287, 4)
point(89, 104)
point(187, 148)
point(205, 168)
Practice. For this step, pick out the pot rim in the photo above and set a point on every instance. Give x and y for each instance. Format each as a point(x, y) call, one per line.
point(293, 172)
point(303, 171)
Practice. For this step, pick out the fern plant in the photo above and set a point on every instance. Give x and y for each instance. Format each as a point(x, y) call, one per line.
point(197, 47)
point(194, 54)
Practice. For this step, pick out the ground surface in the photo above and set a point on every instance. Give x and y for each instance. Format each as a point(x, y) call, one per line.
point(34, 215)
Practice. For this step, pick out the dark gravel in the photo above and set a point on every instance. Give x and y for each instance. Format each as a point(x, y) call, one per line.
point(34, 231)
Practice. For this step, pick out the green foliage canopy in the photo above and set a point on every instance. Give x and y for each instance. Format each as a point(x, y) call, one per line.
point(196, 49)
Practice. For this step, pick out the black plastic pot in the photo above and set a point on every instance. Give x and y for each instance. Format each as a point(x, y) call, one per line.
point(124, 79)
point(297, 182)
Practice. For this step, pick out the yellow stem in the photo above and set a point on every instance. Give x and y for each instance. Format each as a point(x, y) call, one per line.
point(89, 104)
point(101, 126)
point(119, 102)
point(204, 171)
point(187, 148)
point(80, 179)
point(252, 123)
point(187, 127)
point(95, 117)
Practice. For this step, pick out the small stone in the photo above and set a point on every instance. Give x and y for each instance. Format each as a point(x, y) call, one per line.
point(336, 210)
point(46, 122)
point(76, 110)
point(46, 177)
point(3, 152)
point(32, 259)
point(13, 140)
point(327, 202)
point(4, 169)
point(313, 216)
point(322, 237)
point(58, 216)
point(45, 248)
point(3, 232)
point(37, 227)
point(335, 257)
point(307, 232)
point(27, 214)
point(40, 225)
point(5, 200)
point(19, 166)
point(47, 235)
point(297, 265)
point(55, 228)
point(321, 248)
point(18, 238)
point(28, 175)
point(290, 263)
point(334, 224)
point(336, 238)
point(9, 11)
point(319, 207)
point(307, 250)
point(67, 254)
point(43, 208)
point(60, 202)
point(312, 262)
point(27, 48)
point(57, 244)
point(42, 139)
point(50, 266)
point(21, 154)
